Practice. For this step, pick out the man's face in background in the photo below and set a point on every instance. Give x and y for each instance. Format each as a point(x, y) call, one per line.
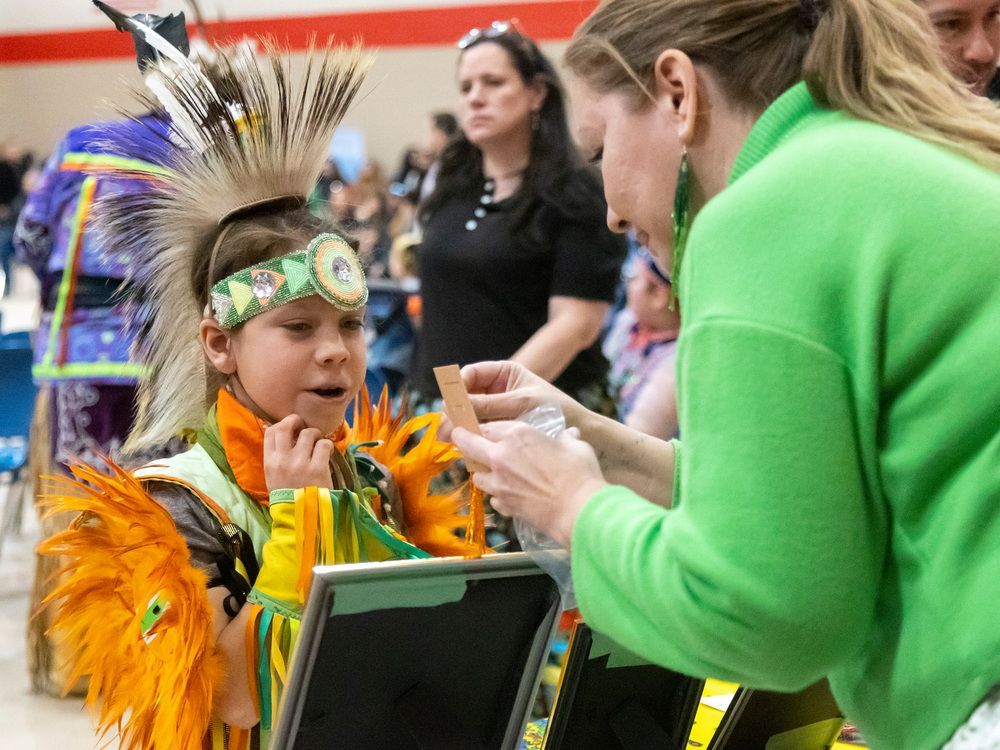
point(969, 34)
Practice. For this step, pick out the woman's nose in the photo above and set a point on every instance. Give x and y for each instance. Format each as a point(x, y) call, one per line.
point(980, 48)
point(474, 95)
point(616, 223)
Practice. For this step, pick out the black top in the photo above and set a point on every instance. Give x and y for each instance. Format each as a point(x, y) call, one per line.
point(486, 292)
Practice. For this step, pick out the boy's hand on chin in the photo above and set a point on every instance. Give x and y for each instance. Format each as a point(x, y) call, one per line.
point(296, 456)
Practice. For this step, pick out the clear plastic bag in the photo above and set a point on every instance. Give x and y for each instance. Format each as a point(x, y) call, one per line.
point(546, 552)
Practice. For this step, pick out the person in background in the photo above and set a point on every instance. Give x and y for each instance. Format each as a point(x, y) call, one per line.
point(968, 32)
point(515, 259)
point(831, 510)
point(642, 346)
point(10, 199)
point(362, 208)
point(405, 183)
point(443, 127)
point(87, 378)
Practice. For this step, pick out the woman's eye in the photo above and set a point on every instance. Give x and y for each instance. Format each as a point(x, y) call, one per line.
point(598, 155)
point(296, 327)
point(354, 324)
point(948, 24)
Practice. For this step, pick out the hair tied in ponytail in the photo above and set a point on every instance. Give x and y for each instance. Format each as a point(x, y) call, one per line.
point(810, 12)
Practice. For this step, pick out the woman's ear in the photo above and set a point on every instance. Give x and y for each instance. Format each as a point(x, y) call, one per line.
point(218, 346)
point(676, 89)
point(540, 90)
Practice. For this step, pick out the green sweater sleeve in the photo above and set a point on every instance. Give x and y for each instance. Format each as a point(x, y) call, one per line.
point(769, 454)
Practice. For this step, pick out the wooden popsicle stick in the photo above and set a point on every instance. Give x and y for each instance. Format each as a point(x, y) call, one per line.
point(456, 402)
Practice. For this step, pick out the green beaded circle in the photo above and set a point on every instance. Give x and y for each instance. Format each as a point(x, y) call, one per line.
point(336, 272)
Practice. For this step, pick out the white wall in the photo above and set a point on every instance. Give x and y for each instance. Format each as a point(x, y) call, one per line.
point(25, 16)
point(40, 101)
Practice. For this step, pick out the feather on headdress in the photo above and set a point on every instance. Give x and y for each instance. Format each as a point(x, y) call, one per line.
point(243, 131)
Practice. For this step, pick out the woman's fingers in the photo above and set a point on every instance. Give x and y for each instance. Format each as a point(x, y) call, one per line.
point(529, 475)
point(475, 448)
point(445, 428)
point(501, 405)
point(488, 377)
point(496, 431)
point(506, 390)
point(499, 505)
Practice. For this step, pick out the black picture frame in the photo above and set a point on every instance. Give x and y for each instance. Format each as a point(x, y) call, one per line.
point(611, 699)
point(809, 720)
point(439, 654)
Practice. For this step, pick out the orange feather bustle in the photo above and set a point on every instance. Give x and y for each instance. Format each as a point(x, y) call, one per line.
point(123, 553)
point(431, 520)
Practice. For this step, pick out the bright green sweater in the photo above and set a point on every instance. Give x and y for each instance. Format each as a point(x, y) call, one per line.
point(837, 500)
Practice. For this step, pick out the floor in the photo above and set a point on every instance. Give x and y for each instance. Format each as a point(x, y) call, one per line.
point(30, 722)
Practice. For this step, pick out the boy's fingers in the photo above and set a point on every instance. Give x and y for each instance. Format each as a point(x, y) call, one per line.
point(306, 441)
point(321, 451)
point(286, 431)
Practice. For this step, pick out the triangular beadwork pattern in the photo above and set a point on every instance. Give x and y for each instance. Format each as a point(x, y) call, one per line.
point(222, 304)
point(296, 274)
point(241, 294)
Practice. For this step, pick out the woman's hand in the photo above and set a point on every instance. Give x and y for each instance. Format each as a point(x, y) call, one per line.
point(296, 455)
point(506, 390)
point(546, 481)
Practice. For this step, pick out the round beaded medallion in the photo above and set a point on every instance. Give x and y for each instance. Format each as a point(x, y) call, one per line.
point(337, 274)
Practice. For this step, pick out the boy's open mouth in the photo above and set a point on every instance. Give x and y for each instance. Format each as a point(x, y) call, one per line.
point(332, 393)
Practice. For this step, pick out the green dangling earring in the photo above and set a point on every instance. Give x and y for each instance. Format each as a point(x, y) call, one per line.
point(680, 219)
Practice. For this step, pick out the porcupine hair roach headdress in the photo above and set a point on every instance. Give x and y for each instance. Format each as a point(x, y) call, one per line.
point(247, 141)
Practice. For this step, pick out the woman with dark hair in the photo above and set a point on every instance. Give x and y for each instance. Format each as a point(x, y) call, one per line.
point(516, 261)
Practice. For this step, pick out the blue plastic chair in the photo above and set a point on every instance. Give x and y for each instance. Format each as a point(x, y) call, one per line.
point(17, 403)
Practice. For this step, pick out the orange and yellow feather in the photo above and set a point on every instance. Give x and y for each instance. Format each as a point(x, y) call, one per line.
point(151, 677)
point(430, 519)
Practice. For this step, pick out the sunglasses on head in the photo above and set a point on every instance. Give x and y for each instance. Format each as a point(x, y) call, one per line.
point(494, 30)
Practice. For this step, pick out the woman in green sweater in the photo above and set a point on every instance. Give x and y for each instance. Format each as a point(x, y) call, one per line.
point(834, 508)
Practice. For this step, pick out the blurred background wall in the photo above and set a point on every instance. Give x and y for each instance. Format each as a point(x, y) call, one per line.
point(62, 63)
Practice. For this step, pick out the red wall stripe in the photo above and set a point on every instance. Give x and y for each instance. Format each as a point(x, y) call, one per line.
point(409, 27)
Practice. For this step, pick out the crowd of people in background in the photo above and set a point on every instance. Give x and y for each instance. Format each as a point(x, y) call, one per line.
point(382, 212)
point(17, 178)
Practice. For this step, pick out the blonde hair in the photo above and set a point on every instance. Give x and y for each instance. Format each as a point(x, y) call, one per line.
point(875, 59)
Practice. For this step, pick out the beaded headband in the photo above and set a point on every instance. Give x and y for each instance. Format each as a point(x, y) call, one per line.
point(327, 267)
